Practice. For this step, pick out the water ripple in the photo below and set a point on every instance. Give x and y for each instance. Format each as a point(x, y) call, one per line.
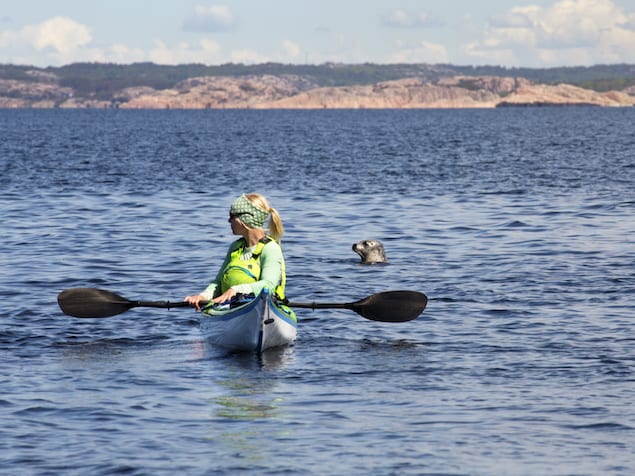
point(516, 224)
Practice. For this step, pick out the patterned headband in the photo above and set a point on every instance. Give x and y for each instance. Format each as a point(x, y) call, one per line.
point(248, 213)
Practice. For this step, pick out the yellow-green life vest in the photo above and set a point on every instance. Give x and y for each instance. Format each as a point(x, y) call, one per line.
point(241, 271)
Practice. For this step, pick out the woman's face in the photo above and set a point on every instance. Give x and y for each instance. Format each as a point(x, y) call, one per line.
point(238, 227)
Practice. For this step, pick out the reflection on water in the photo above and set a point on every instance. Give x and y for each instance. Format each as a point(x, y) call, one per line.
point(248, 395)
point(244, 406)
point(248, 391)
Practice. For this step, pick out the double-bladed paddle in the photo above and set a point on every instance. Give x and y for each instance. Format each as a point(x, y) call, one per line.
point(387, 306)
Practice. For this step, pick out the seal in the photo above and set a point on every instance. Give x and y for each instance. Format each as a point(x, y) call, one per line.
point(371, 251)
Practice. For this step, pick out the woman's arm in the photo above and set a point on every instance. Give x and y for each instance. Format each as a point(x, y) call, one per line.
point(213, 288)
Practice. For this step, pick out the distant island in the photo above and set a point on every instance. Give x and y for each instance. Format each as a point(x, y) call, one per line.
point(326, 86)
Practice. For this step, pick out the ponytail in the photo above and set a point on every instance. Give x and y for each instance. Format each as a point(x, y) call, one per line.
point(275, 225)
point(276, 229)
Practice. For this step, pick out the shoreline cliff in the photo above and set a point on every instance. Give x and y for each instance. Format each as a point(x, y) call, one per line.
point(284, 91)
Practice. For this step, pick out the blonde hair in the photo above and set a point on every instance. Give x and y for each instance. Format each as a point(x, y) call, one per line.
point(276, 229)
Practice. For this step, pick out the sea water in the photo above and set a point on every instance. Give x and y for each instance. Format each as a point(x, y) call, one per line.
point(518, 224)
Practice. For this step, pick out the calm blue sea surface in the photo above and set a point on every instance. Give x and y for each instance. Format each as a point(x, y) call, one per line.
point(519, 225)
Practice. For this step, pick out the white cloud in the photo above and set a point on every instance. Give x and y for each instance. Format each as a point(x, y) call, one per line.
point(62, 34)
point(212, 19)
point(61, 40)
point(291, 49)
point(400, 18)
point(516, 18)
point(569, 32)
point(424, 52)
point(204, 51)
point(210, 52)
point(247, 56)
point(59, 35)
point(123, 54)
point(499, 56)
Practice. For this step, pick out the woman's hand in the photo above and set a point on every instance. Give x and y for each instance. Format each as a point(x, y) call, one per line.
point(226, 296)
point(195, 300)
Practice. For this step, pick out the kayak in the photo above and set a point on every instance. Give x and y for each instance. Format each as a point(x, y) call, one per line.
point(253, 324)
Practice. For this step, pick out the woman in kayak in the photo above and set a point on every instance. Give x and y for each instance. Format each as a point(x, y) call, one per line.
point(254, 261)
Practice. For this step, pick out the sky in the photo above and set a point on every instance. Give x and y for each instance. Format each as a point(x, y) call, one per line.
point(511, 33)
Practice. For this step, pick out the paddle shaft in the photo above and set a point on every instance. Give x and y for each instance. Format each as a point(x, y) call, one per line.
point(322, 305)
point(158, 304)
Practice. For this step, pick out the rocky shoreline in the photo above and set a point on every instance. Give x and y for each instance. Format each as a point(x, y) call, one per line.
point(296, 92)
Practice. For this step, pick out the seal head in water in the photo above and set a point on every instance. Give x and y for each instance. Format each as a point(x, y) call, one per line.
point(371, 251)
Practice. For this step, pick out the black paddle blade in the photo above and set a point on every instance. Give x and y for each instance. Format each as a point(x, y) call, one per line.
point(91, 302)
point(391, 306)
